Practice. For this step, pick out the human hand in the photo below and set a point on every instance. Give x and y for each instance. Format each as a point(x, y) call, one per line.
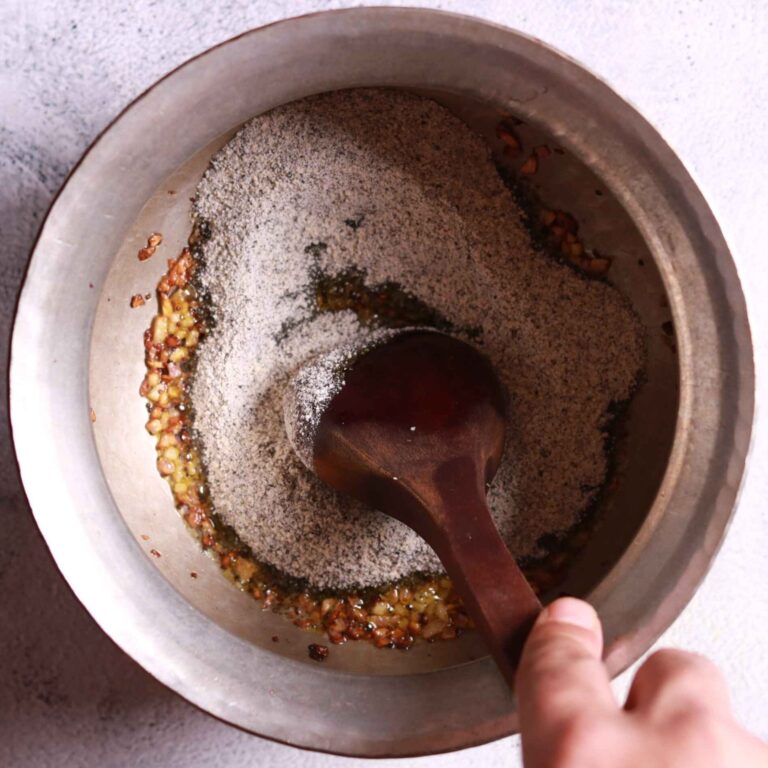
point(677, 713)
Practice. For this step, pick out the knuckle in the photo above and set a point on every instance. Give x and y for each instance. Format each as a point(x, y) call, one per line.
point(659, 661)
point(689, 722)
point(547, 662)
point(541, 649)
point(555, 642)
point(700, 666)
point(685, 671)
point(695, 730)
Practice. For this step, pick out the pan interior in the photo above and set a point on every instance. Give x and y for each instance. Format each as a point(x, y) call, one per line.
point(643, 441)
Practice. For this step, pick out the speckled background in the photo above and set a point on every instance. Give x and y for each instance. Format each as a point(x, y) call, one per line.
point(698, 70)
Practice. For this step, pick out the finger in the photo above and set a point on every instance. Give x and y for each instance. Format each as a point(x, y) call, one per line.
point(672, 681)
point(561, 676)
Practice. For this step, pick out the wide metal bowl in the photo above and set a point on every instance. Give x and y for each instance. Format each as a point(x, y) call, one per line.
point(77, 346)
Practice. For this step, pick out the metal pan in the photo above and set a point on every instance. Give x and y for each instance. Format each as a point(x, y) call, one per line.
point(77, 345)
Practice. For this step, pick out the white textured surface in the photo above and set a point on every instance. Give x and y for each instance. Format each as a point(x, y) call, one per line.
point(697, 70)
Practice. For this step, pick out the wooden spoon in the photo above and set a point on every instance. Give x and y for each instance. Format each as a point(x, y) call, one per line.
point(415, 427)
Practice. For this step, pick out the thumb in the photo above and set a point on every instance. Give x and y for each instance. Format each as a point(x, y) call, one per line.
point(561, 676)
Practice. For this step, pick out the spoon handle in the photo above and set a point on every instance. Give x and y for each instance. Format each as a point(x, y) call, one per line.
point(497, 595)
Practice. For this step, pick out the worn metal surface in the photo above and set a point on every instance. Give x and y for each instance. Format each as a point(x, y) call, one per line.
point(86, 532)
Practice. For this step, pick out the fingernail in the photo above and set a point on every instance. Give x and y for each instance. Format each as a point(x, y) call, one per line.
point(569, 610)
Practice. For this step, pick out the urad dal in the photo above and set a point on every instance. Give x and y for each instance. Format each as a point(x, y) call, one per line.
point(390, 190)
